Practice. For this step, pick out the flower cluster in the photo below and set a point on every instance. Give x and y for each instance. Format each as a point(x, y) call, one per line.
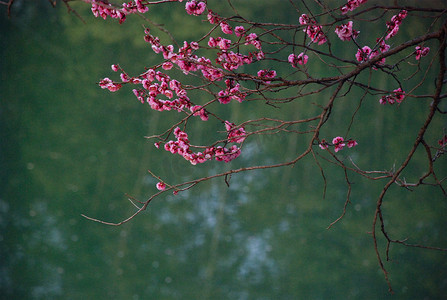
point(195, 8)
point(398, 96)
point(267, 74)
point(421, 51)
point(104, 9)
point(314, 31)
point(345, 31)
point(107, 83)
point(182, 147)
point(351, 5)
point(235, 134)
point(232, 92)
point(393, 25)
point(339, 143)
point(300, 59)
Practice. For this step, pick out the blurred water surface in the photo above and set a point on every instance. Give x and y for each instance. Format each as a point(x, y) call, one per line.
point(69, 148)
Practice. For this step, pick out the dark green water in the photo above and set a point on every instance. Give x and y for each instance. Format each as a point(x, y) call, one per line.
point(69, 148)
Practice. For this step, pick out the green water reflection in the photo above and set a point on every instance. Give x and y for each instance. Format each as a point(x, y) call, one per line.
point(68, 148)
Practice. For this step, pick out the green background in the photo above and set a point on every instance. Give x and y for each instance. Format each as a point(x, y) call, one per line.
point(69, 148)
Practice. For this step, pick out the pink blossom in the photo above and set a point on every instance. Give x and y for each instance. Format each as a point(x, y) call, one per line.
point(352, 143)
point(304, 19)
point(338, 143)
point(107, 83)
point(223, 98)
point(323, 144)
point(194, 45)
point(182, 147)
point(351, 5)
point(301, 59)
point(363, 54)
point(252, 39)
point(239, 30)
point(161, 186)
point(226, 28)
point(383, 46)
point(115, 68)
point(345, 31)
point(315, 32)
point(198, 110)
point(421, 51)
point(393, 25)
point(269, 74)
point(235, 134)
point(212, 17)
point(398, 96)
point(195, 8)
point(140, 7)
point(167, 65)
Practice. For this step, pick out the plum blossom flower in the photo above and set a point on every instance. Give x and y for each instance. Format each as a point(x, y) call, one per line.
point(235, 134)
point(167, 65)
point(182, 147)
point(363, 54)
point(107, 83)
point(323, 144)
point(252, 39)
point(198, 110)
point(315, 32)
point(352, 143)
point(239, 31)
point(115, 68)
point(195, 8)
point(226, 28)
point(351, 5)
point(161, 186)
point(398, 96)
point(300, 59)
point(393, 25)
point(267, 74)
point(345, 31)
point(421, 51)
point(338, 143)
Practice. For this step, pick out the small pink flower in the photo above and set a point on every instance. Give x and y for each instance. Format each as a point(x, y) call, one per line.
point(393, 25)
point(115, 68)
point(398, 96)
point(167, 65)
point(161, 186)
point(324, 145)
point(239, 30)
point(351, 5)
point(338, 143)
point(212, 17)
point(195, 8)
point(301, 59)
point(363, 54)
point(226, 28)
point(352, 143)
point(194, 45)
point(345, 31)
point(252, 39)
point(269, 74)
point(421, 51)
